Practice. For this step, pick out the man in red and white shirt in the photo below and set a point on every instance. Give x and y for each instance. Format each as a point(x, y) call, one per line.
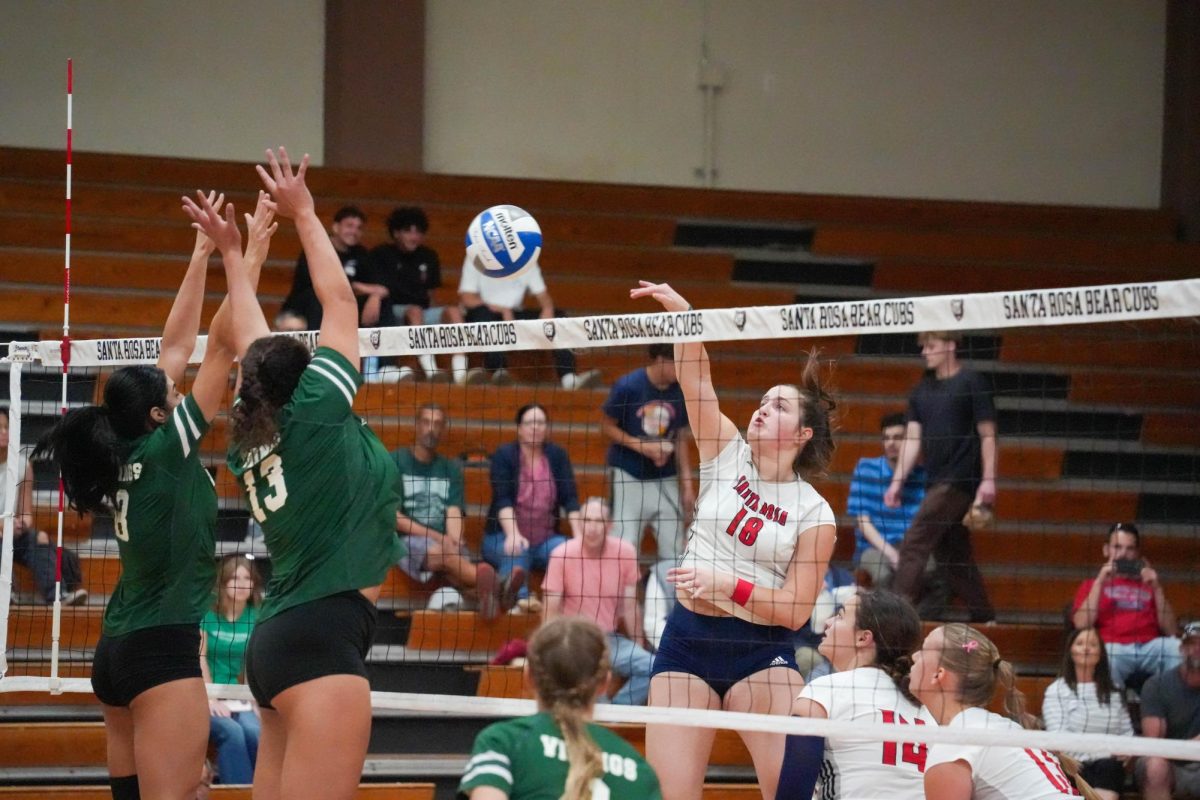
point(1127, 606)
point(596, 576)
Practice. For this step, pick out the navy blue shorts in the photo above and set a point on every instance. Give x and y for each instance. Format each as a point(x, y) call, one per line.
point(721, 651)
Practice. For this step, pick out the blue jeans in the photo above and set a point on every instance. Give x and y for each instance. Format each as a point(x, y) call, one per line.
point(237, 745)
point(534, 557)
point(1152, 657)
point(632, 663)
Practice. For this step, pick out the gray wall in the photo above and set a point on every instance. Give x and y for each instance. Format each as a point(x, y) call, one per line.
point(1056, 101)
point(217, 79)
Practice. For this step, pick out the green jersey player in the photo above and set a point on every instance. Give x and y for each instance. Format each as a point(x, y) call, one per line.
point(323, 488)
point(557, 753)
point(137, 456)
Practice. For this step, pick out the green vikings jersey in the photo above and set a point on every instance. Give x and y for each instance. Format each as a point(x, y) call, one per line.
point(324, 492)
point(526, 759)
point(164, 519)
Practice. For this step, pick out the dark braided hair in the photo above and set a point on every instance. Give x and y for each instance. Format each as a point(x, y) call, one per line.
point(896, 630)
point(271, 370)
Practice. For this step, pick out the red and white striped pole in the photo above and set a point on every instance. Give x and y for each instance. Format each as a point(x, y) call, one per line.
point(65, 349)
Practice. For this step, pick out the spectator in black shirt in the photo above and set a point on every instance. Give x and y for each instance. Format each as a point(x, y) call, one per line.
point(410, 270)
point(952, 423)
point(302, 311)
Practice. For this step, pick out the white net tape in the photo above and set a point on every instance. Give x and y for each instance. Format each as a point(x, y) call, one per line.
point(975, 312)
point(1128, 302)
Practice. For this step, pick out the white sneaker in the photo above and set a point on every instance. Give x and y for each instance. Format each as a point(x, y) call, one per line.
point(403, 374)
point(75, 598)
point(501, 377)
point(584, 380)
point(438, 376)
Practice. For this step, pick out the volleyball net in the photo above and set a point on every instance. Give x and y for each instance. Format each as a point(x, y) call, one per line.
point(1094, 390)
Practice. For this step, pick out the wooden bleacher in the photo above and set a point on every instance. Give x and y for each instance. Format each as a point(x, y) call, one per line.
point(130, 247)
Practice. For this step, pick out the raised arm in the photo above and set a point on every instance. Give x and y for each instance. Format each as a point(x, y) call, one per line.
point(711, 429)
point(212, 379)
point(339, 322)
point(183, 321)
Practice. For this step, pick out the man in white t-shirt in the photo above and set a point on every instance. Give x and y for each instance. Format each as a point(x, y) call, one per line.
point(487, 299)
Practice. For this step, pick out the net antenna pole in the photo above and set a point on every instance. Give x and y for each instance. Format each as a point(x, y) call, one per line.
point(55, 681)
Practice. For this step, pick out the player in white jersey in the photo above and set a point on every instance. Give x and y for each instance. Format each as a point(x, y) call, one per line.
point(954, 675)
point(755, 562)
point(868, 642)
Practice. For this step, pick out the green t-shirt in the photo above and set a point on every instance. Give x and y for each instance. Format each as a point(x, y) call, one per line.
point(526, 758)
point(165, 517)
point(324, 492)
point(427, 490)
point(225, 643)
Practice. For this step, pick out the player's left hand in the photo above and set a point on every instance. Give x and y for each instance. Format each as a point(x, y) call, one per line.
point(203, 243)
point(261, 225)
point(702, 583)
point(222, 230)
point(289, 192)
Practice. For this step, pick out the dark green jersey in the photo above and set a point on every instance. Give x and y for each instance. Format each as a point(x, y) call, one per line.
point(324, 492)
point(526, 759)
point(165, 517)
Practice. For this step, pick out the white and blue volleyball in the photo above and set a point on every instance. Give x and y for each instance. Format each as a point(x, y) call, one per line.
point(503, 241)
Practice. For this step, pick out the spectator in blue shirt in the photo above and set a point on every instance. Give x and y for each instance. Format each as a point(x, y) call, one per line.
point(649, 461)
point(879, 530)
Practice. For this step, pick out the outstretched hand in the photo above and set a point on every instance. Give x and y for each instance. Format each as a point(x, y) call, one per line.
point(203, 243)
point(289, 193)
point(260, 227)
point(662, 292)
point(223, 231)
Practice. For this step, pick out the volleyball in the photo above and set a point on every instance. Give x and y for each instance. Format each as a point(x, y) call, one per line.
point(503, 241)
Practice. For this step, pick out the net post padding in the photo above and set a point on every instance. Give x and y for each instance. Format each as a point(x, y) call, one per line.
point(458, 705)
point(9, 510)
point(1079, 305)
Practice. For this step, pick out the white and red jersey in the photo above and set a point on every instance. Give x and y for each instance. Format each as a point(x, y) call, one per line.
point(862, 769)
point(749, 526)
point(1004, 773)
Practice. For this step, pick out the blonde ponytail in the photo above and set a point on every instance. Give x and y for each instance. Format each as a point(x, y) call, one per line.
point(568, 661)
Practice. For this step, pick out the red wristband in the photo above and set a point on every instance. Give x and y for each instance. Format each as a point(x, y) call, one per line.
point(741, 592)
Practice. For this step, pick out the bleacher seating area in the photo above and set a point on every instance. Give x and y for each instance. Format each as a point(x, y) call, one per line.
point(1090, 433)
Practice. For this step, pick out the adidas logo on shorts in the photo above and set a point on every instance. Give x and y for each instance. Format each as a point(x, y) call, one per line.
point(779, 661)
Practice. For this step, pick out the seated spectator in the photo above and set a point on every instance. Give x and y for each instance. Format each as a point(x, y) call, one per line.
point(224, 632)
point(1083, 699)
point(1171, 710)
point(595, 576)
point(879, 529)
point(430, 515)
point(410, 270)
point(31, 547)
point(532, 485)
point(488, 299)
point(302, 311)
point(1126, 605)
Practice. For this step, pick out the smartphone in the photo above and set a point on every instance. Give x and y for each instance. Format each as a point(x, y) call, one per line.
point(1129, 567)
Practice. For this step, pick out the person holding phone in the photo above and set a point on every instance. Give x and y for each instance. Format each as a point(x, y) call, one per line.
point(1126, 604)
